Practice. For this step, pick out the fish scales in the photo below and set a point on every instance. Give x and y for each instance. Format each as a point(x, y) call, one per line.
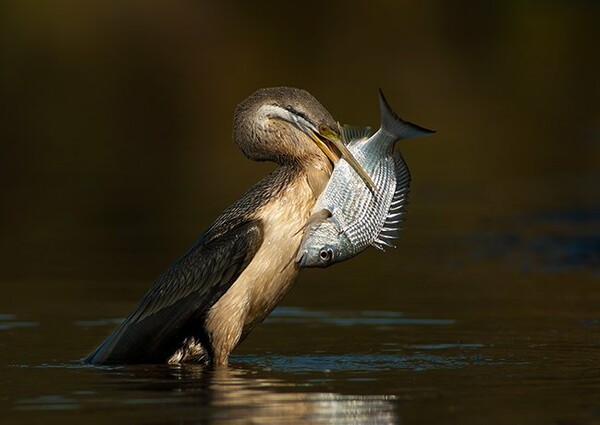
point(349, 216)
point(359, 213)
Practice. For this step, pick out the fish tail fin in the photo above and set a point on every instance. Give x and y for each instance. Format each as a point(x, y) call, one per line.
point(397, 127)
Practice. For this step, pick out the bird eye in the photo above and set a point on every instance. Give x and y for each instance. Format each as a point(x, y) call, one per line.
point(323, 129)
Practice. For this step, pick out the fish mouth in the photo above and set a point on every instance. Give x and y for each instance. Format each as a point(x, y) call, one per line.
point(334, 148)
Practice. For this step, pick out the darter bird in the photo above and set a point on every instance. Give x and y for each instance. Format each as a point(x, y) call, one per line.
point(237, 272)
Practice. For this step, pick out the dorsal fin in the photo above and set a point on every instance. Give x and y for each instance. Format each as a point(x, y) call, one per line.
point(351, 133)
point(397, 211)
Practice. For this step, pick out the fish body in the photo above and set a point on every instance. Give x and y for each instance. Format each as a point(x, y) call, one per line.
point(348, 215)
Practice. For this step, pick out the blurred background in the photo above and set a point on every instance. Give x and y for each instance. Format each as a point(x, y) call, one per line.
point(116, 153)
point(116, 136)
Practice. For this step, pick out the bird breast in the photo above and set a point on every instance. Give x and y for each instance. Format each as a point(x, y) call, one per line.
point(270, 274)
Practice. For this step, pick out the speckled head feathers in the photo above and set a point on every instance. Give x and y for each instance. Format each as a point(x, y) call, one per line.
point(272, 124)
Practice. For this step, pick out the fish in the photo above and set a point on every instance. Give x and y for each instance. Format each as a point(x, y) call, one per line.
point(348, 215)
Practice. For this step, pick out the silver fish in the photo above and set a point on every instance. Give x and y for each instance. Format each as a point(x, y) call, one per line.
point(348, 216)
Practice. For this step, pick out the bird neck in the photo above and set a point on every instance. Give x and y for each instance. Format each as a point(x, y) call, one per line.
point(317, 171)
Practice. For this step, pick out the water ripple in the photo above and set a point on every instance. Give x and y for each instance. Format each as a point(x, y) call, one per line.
point(370, 318)
point(363, 362)
point(7, 322)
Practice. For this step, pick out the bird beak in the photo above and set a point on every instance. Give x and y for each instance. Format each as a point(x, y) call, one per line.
point(332, 145)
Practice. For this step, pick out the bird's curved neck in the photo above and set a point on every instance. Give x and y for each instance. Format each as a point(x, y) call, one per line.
point(317, 171)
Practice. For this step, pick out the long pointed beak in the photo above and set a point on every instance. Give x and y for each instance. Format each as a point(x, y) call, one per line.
point(335, 140)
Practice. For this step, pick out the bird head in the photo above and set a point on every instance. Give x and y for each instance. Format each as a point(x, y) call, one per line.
point(288, 125)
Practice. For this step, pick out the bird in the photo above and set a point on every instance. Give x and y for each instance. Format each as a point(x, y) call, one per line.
point(242, 266)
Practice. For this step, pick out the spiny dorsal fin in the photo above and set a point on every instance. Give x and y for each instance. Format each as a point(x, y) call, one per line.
point(352, 133)
point(397, 211)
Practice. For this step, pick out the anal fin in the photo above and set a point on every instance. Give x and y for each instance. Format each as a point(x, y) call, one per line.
point(397, 211)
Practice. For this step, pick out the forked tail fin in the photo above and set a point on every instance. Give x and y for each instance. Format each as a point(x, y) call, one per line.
point(397, 127)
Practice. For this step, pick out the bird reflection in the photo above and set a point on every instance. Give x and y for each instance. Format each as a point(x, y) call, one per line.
point(237, 395)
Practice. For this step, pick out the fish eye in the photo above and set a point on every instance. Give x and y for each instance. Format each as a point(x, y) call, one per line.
point(326, 254)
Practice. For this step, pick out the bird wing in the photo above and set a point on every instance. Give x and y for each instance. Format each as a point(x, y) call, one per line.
point(177, 303)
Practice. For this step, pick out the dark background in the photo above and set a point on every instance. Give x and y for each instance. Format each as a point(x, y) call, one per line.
point(116, 153)
point(116, 134)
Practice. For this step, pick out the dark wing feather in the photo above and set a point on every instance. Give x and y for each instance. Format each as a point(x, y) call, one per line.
point(176, 305)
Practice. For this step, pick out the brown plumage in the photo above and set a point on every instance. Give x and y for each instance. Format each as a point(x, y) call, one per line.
point(235, 274)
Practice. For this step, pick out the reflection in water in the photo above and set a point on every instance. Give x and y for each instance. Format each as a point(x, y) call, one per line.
point(261, 400)
point(227, 395)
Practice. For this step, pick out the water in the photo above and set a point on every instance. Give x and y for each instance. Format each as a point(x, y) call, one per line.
point(359, 367)
point(115, 155)
point(492, 344)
